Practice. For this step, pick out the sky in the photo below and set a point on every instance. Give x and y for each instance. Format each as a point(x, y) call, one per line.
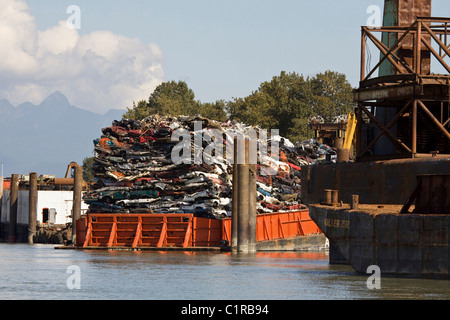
point(121, 50)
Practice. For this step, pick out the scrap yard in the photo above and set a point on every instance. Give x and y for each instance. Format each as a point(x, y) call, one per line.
point(368, 189)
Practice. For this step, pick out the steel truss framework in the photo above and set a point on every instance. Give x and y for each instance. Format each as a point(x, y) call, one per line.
point(420, 97)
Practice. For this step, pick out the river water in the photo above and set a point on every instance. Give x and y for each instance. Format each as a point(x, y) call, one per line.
point(41, 272)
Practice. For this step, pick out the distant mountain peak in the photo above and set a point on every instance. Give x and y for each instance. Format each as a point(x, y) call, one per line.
point(56, 99)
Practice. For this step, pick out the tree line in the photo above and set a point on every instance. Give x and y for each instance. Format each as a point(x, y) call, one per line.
point(286, 102)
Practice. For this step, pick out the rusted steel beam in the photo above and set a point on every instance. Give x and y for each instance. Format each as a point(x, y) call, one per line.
point(443, 46)
point(363, 54)
point(392, 50)
point(387, 92)
point(418, 52)
point(384, 50)
point(414, 128)
point(385, 129)
point(444, 64)
point(435, 121)
point(400, 146)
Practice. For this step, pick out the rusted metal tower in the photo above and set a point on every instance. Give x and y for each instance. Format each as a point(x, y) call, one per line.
point(403, 112)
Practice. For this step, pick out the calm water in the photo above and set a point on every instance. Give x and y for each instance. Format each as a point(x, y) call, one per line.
point(40, 272)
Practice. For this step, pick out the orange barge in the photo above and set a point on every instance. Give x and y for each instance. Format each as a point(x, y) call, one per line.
point(185, 231)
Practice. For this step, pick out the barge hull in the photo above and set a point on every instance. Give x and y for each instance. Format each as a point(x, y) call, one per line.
point(282, 231)
point(410, 245)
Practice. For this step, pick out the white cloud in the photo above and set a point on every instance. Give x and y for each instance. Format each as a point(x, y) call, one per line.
point(97, 71)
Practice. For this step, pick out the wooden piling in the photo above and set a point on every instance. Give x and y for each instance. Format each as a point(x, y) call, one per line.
point(14, 192)
point(76, 208)
point(32, 207)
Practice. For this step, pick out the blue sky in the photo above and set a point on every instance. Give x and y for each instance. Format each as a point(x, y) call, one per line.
point(225, 49)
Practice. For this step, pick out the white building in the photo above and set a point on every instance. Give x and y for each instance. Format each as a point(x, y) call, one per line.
point(53, 207)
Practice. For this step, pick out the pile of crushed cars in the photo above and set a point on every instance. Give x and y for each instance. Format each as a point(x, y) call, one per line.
point(134, 172)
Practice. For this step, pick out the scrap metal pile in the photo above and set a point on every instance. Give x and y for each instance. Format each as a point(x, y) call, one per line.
point(134, 171)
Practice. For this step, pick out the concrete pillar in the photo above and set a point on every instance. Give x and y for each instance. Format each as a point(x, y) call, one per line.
point(243, 204)
point(32, 208)
point(252, 208)
point(235, 199)
point(14, 192)
point(76, 209)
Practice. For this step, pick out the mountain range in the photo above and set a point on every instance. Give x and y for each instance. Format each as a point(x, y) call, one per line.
point(45, 138)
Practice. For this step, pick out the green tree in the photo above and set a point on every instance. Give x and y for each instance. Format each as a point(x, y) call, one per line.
point(88, 172)
point(175, 99)
point(137, 112)
point(289, 100)
point(213, 111)
point(172, 99)
point(278, 104)
point(332, 95)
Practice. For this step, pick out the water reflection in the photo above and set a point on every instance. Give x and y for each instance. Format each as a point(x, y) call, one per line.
point(39, 272)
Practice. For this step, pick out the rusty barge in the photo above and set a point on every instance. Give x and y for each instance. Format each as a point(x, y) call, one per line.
point(391, 207)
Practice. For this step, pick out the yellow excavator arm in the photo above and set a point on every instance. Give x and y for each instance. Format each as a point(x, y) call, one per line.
point(351, 128)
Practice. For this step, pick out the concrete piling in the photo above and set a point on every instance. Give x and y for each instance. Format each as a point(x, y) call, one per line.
point(14, 192)
point(243, 202)
point(252, 208)
point(32, 207)
point(235, 197)
point(76, 208)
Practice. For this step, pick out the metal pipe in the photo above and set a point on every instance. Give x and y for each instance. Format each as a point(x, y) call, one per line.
point(32, 207)
point(76, 209)
point(14, 192)
point(243, 204)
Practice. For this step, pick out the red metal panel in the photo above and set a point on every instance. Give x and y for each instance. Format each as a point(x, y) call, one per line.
point(182, 230)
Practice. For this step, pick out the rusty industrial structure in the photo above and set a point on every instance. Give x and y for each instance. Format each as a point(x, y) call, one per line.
point(404, 111)
point(391, 206)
